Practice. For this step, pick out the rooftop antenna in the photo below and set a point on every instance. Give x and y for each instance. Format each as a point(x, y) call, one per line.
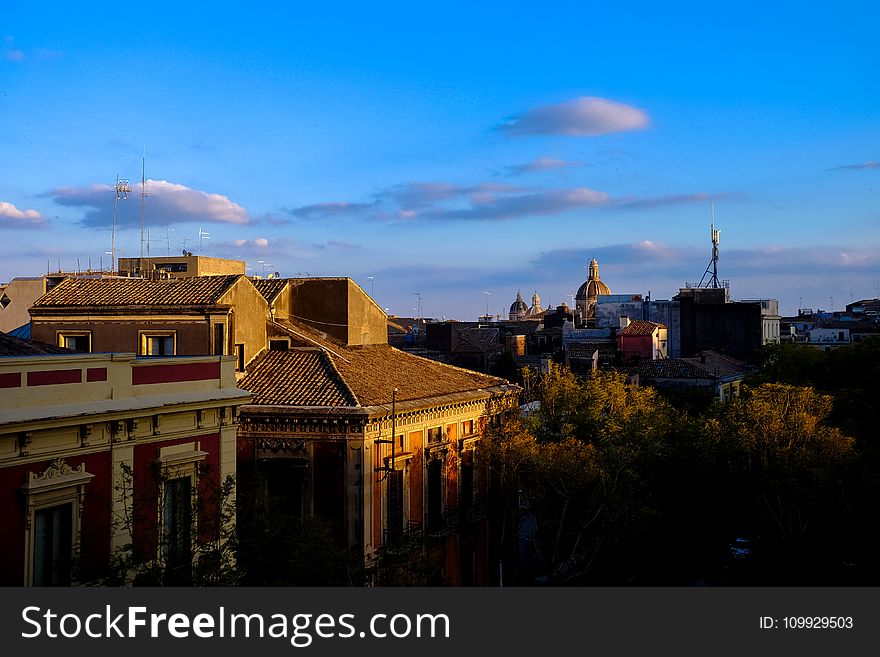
point(122, 189)
point(143, 198)
point(203, 235)
point(712, 269)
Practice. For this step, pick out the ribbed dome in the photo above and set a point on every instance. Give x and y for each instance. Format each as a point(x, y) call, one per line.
point(519, 306)
point(593, 286)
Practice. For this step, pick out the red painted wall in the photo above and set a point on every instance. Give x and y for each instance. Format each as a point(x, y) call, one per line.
point(145, 507)
point(95, 536)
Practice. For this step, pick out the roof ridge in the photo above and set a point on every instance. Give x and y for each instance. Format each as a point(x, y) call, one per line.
point(339, 378)
point(455, 367)
point(306, 337)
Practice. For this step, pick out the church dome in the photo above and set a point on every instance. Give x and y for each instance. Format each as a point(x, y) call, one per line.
point(536, 308)
point(593, 286)
point(519, 306)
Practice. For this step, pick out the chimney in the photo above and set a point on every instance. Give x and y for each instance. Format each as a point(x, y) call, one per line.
point(624, 321)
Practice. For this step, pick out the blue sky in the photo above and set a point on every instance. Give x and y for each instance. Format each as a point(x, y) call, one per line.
point(452, 150)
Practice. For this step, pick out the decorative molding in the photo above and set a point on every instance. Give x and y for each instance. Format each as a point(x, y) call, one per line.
point(24, 443)
point(59, 474)
point(85, 434)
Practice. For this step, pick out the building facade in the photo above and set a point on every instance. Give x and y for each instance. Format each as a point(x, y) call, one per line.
point(110, 464)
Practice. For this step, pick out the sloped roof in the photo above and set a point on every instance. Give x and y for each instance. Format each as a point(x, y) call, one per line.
point(719, 365)
point(108, 292)
point(705, 365)
point(12, 346)
point(640, 327)
point(368, 373)
point(270, 287)
point(302, 377)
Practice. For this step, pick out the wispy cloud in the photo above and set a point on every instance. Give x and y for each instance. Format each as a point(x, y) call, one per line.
point(543, 203)
point(330, 210)
point(542, 164)
point(443, 201)
point(587, 116)
point(870, 164)
point(12, 217)
point(167, 203)
point(672, 199)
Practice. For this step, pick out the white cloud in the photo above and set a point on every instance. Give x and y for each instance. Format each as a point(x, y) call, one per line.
point(166, 203)
point(587, 116)
point(12, 217)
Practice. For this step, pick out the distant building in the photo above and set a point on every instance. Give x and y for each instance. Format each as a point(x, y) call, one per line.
point(535, 311)
point(716, 373)
point(711, 321)
point(585, 300)
point(182, 266)
point(518, 309)
point(641, 339)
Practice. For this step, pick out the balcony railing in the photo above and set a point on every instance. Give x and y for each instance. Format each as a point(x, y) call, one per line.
point(474, 510)
point(404, 539)
point(442, 524)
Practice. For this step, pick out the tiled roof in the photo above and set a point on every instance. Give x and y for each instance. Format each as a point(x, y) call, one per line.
point(301, 377)
point(640, 327)
point(705, 365)
point(91, 292)
point(368, 373)
point(372, 372)
point(670, 368)
point(718, 364)
point(270, 287)
point(10, 346)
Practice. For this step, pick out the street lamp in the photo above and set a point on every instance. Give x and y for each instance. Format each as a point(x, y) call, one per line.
point(488, 294)
point(420, 304)
point(370, 278)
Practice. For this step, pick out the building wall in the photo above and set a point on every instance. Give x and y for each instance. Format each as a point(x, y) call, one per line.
point(249, 313)
point(21, 294)
point(192, 334)
point(117, 417)
point(367, 322)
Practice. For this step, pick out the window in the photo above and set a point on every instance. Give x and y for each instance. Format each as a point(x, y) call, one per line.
point(239, 358)
point(395, 505)
point(53, 545)
point(219, 339)
point(279, 345)
point(467, 428)
point(177, 520)
point(53, 509)
point(76, 340)
point(435, 435)
point(177, 267)
point(157, 344)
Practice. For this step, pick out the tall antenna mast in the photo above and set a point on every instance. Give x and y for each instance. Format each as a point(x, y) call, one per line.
point(122, 190)
point(143, 198)
point(713, 265)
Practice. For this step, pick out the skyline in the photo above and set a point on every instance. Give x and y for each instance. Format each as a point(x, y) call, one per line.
point(451, 153)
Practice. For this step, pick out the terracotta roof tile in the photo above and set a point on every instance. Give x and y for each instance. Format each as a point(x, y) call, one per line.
point(300, 377)
point(92, 292)
point(269, 287)
point(640, 327)
point(369, 373)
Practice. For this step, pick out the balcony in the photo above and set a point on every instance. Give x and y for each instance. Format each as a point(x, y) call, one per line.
point(401, 541)
point(442, 524)
point(475, 510)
